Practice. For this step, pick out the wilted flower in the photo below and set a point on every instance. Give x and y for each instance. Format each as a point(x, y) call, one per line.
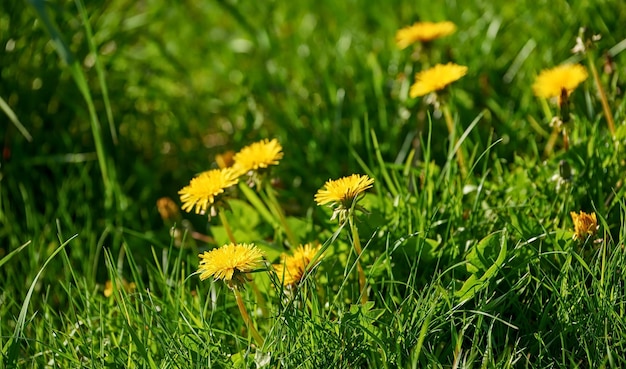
point(552, 82)
point(423, 32)
point(225, 159)
point(585, 225)
point(203, 190)
point(168, 209)
point(230, 263)
point(436, 78)
point(292, 267)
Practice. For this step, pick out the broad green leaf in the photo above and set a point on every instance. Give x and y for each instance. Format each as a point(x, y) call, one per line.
point(475, 283)
point(483, 254)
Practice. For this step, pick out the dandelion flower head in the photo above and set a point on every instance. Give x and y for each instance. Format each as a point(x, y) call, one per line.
point(258, 155)
point(230, 263)
point(551, 82)
point(585, 225)
point(343, 192)
point(436, 78)
point(423, 32)
point(292, 267)
point(203, 190)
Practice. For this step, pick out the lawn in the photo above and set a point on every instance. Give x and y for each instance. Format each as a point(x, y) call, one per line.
point(244, 184)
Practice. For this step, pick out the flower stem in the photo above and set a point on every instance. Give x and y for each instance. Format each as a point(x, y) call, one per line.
point(356, 242)
point(257, 203)
point(605, 104)
point(269, 190)
point(460, 158)
point(227, 228)
point(246, 318)
point(565, 139)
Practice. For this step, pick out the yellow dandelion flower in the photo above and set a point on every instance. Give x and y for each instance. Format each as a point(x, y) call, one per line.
point(258, 155)
point(585, 225)
point(230, 263)
point(203, 190)
point(423, 32)
point(436, 78)
point(343, 190)
point(342, 193)
point(551, 82)
point(128, 287)
point(292, 267)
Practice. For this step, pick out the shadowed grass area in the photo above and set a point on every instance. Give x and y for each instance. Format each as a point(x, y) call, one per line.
point(466, 236)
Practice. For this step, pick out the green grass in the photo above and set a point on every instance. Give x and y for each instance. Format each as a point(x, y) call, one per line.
point(106, 108)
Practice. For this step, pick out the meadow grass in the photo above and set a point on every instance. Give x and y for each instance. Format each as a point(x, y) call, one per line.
point(465, 240)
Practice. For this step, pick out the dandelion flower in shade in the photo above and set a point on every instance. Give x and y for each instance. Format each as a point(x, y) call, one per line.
point(226, 159)
point(258, 155)
point(343, 192)
point(168, 209)
point(230, 263)
point(551, 82)
point(109, 289)
point(436, 78)
point(292, 267)
point(585, 225)
point(202, 191)
point(423, 32)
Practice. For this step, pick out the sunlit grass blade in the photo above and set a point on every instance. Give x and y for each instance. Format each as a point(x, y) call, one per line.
point(15, 120)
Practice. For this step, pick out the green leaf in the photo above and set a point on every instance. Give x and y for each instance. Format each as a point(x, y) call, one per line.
point(475, 283)
point(483, 254)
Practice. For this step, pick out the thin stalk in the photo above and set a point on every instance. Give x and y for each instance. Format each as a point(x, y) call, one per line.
point(565, 139)
point(246, 318)
point(269, 190)
point(257, 203)
point(460, 157)
point(356, 242)
point(227, 228)
point(605, 103)
point(549, 148)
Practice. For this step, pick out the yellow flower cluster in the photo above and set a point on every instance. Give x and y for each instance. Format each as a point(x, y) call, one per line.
point(439, 76)
point(204, 190)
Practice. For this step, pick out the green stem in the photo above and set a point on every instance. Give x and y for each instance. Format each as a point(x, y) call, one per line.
point(605, 103)
point(269, 190)
point(227, 228)
point(460, 158)
point(356, 242)
point(246, 318)
point(257, 203)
